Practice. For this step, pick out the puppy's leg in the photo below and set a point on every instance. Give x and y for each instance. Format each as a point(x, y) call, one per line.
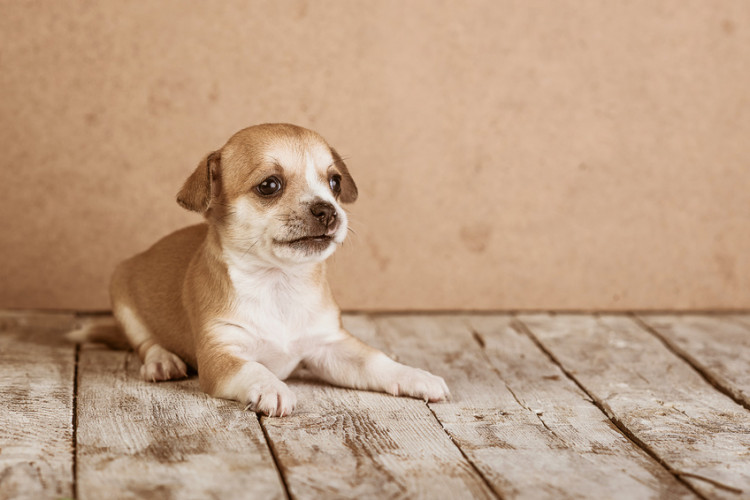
point(158, 363)
point(225, 373)
point(349, 362)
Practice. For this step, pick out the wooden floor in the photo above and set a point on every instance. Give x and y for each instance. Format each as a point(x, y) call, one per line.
point(544, 406)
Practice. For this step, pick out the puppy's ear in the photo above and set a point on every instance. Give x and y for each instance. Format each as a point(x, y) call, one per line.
point(349, 191)
point(195, 194)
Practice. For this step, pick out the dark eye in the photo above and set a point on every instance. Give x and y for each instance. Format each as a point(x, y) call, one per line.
point(335, 183)
point(269, 187)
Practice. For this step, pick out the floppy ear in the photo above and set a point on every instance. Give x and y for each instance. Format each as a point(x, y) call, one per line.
point(195, 194)
point(349, 191)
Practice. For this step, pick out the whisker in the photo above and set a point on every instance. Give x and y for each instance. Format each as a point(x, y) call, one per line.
point(341, 159)
point(226, 215)
point(249, 248)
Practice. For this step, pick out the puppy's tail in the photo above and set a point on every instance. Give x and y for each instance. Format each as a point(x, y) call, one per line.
point(101, 330)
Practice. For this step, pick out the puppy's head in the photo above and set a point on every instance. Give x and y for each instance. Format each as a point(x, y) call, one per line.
point(273, 192)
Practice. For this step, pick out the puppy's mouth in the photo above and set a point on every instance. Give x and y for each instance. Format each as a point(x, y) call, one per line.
point(309, 243)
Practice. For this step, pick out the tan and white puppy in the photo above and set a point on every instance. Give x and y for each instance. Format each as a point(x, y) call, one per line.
point(243, 298)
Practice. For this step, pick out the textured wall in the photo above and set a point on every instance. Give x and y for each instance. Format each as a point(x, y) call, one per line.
point(509, 154)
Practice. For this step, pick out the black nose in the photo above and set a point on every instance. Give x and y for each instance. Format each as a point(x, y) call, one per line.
point(324, 212)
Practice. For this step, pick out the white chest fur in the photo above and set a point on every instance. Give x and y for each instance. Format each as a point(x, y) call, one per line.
point(279, 316)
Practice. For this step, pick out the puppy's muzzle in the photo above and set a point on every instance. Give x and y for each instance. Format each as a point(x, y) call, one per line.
point(325, 214)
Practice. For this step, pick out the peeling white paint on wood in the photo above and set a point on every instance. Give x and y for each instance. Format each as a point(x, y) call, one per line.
point(719, 346)
point(140, 439)
point(517, 426)
point(700, 433)
point(532, 432)
point(36, 406)
point(358, 444)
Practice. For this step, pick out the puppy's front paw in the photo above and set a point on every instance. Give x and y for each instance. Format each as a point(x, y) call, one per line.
point(420, 384)
point(272, 398)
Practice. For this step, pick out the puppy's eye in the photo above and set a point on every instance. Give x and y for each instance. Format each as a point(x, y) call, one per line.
point(335, 183)
point(269, 187)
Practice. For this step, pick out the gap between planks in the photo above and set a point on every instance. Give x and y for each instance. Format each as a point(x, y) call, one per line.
point(137, 439)
point(75, 421)
point(479, 340)
point(674, 411)
point(450, 344)
point(274, 455)
point(468, 459)
point(682, 354)
point(521, 327)
point(487, 482)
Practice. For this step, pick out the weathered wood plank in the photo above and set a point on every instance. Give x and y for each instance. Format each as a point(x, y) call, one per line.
point(741, 318)
point(36, 406)
point(167, 440)
point(524, 425)
point(342, 443)
point(719, 346)
point(700, 433)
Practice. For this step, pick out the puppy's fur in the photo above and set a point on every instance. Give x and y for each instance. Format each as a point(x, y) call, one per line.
point(243, 298)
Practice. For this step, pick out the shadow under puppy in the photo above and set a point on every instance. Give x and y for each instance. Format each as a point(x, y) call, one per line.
point(243, 298)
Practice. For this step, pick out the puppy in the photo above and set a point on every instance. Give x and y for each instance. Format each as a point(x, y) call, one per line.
point(243, 298)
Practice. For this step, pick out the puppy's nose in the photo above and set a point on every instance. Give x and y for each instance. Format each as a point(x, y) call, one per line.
point(324, 212)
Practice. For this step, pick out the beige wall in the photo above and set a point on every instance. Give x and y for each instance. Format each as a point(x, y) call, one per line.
point(509, 154)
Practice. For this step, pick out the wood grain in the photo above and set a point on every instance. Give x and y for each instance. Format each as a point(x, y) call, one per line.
point(516, 427)
point(342, 443)
point(718, 346)
point(698, 432)
point(167, 440)
point(524, 425)
point(36, 406)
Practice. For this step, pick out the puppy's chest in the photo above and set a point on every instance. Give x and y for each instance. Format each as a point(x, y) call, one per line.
point(280, 310)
